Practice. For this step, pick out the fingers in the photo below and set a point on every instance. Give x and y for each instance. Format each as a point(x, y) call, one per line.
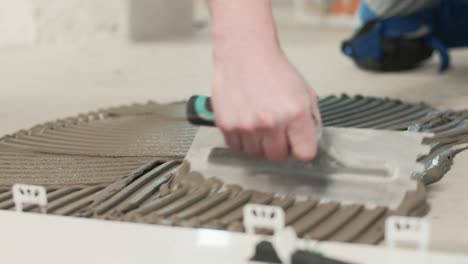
point(317, 117)
point(242, 137)
point(275, 144)
point(252, 143)
point(275, 136)
point(233, 140)
point(315, 107)
point(272, 144)
point(316, 112)
point(299, 139)
point(302, 138)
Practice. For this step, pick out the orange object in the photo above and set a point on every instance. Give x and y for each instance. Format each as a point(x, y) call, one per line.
point(344, 7)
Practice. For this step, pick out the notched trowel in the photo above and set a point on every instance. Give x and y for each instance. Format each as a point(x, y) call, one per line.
point(366, 166)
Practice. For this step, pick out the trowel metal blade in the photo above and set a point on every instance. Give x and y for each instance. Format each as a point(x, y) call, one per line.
point(373, 167)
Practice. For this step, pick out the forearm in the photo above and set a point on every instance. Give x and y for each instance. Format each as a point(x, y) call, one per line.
point(246, 26)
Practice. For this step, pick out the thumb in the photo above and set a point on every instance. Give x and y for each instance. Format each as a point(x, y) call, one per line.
point(315, 111)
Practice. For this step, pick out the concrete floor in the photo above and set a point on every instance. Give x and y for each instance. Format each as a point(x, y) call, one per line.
point(42, 84)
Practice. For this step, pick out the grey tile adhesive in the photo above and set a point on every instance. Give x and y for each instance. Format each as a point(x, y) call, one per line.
point(125, 164)
point(346, 168)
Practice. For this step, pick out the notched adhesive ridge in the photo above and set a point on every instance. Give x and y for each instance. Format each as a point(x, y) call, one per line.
point(123, 164)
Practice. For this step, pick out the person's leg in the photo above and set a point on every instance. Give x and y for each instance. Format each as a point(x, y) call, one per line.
point(451, 26)
point(398, 35)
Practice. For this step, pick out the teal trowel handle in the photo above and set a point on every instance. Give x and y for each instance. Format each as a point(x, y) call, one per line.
point(199, 111)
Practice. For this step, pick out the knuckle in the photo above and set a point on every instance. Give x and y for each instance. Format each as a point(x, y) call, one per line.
point(240, 126)
point(246, 126)
point(313, 94)
point(295, 112)
point(226, 125)
point(265, 121)
point(314, 99)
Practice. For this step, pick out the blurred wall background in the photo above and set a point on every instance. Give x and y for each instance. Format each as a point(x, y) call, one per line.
point(31, 22)
point(36, 22)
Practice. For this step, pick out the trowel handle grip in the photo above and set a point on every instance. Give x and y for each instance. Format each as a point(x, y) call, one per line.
point(199, 111)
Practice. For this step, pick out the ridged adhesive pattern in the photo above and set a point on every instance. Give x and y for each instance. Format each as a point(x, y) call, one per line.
point(123, 164)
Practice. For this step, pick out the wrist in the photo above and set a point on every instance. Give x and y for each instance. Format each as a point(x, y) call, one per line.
point(245, 44)
point(243, 27)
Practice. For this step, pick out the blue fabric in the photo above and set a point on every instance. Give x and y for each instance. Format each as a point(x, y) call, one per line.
point(447, 23)
point(367, 46)
point(438, 46)
point(365, 13)
point(447, 20)
point(450, 24)
point(395, 27)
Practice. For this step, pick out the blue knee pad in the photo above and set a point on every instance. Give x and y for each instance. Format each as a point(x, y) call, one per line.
point(385, 45)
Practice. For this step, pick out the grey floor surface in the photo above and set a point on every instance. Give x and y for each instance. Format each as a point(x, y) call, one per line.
point(44, 83)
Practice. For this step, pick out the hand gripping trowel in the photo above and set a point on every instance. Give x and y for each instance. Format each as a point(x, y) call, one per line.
point(372, 167)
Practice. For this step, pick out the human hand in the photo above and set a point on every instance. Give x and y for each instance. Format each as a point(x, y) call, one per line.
point(264, 106)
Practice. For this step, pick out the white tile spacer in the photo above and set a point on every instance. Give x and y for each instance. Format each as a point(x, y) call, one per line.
point(265, 216)
point(407, 230)
point(29, 194)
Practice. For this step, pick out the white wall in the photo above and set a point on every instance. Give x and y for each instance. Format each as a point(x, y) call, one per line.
point(16, 22)
point(156, 19)
point(31, 22)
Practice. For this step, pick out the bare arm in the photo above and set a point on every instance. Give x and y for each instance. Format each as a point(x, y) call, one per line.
point(243, 25)
point(263, 104)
